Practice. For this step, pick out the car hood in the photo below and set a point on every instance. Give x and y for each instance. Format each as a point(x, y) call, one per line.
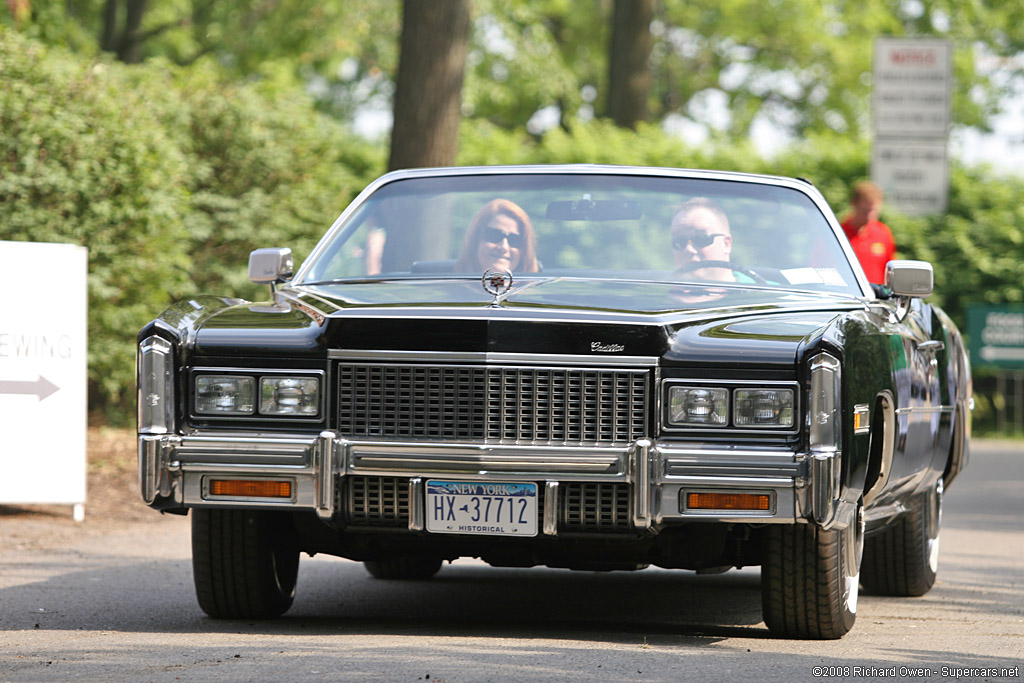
point(604, 319)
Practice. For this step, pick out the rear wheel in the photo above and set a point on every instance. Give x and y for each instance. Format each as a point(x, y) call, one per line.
point(903, 558)
point(407, 568)
point(244, 563)
point(810, 579)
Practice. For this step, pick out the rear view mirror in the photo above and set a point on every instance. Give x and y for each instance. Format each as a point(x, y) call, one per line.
point(588, 209)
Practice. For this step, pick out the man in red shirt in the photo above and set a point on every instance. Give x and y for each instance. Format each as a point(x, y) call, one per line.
point(870, 238)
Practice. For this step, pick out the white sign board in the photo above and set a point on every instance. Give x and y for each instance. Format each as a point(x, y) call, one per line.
point(43, 374)
point(912, 174)
point(912, 87)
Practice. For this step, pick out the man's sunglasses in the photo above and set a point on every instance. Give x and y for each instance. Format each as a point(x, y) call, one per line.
point(495, 236)
point(699, 240)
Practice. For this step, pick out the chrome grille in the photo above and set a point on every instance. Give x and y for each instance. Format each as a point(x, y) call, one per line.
point(375, 501)
point(596, 507)
point(493, 405)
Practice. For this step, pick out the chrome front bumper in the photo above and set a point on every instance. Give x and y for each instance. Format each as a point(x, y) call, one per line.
point(174, 472)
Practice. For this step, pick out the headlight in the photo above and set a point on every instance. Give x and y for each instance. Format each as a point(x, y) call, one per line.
point(738, 405)
point(763, 408)
point(289, 395)
point(698, 406)
point(224, 395)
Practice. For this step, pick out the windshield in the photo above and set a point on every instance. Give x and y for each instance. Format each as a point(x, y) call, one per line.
point(589, 226)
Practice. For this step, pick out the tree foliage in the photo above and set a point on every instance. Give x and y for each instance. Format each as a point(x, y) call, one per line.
point(169, 178)
point(803, 65)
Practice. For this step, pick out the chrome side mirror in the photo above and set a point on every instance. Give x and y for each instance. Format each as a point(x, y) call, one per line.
point(270, 266)
point(909, 278)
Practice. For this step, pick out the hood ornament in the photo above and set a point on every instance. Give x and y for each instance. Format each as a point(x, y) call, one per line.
point(497, 283)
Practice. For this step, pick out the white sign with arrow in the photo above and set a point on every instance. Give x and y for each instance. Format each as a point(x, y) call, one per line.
point(43, 374)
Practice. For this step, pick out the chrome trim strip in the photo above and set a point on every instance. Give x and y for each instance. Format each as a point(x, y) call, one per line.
point(159, 476)
point(640, 477)
point(732, 482)
point(391, 457)
point(591, 316)
point(149, 467)
point(248, 469)
point(924, 410)
point(490, 358)
point(323, 473)
point(551, 501)
point(417, 504)
point(825, 487)
point(684, 456)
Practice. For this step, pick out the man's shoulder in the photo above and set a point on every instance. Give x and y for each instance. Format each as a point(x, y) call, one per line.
point(878, 227)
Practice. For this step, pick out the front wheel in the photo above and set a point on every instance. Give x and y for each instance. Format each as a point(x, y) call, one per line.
point(244, 563)
point(903, 558)
point(810, 579)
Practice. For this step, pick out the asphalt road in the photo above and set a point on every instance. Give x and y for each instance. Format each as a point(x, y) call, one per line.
point(120, 606)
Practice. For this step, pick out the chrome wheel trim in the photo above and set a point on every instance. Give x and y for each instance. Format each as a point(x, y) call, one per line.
point(934, 525)
point(853, 552)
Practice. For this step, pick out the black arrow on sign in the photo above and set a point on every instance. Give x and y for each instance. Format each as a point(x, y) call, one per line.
point(42, 387)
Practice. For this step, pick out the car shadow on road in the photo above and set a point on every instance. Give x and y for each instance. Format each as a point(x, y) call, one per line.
point(474, 599)
point(338, 597)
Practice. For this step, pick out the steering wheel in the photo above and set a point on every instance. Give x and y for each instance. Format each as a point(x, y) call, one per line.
point(735, 267)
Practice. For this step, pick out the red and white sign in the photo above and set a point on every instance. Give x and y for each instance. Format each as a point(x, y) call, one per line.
point(911, 87)
point(912, 108)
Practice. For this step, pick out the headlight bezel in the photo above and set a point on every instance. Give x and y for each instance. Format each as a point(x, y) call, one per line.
point(732, 388)
point(256, 377)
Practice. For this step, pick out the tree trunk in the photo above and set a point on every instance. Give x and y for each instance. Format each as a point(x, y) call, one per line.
point(428, 89)
point(130, 50)
point(108, 39)
point(629, 72)
point(126, 41)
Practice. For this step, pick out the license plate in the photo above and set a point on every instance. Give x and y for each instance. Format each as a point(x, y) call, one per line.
point(482, 507)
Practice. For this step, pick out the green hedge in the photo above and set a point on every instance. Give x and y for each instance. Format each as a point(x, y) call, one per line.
point(168, 177)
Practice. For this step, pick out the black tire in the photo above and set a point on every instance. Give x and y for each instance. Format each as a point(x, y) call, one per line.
point(404, 568)
point(810, 578)
point(903, 558)
point(244, 563)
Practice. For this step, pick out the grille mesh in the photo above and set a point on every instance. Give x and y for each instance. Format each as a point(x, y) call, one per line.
point(376, 501)
point(494, 405)
point(595, 507)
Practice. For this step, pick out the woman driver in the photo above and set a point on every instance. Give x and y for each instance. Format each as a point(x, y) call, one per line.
point(500, 237)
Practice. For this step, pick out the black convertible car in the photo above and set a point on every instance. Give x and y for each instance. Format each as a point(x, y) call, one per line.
point(590, 367)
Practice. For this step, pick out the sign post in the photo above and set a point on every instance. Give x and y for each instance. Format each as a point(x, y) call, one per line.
point(911, 106)
point(43, 375)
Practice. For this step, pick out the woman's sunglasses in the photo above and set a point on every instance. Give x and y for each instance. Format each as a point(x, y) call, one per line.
point(495, 236)
point(699, 240)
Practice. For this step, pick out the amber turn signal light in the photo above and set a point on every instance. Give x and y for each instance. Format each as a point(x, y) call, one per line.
point(245, 488)
point(759, 502)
